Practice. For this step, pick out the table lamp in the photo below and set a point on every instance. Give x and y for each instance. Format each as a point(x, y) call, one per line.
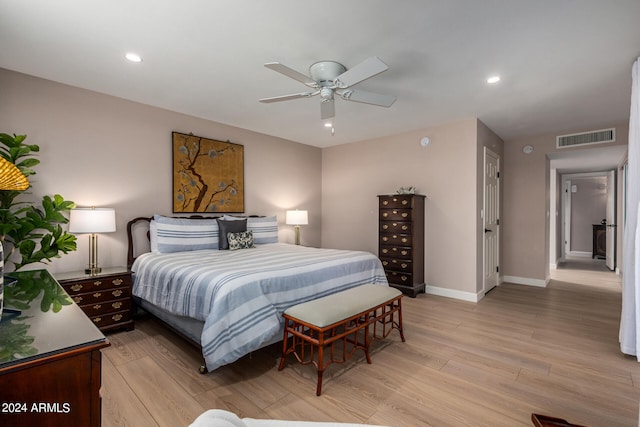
point(92, 221)
point(297, 218)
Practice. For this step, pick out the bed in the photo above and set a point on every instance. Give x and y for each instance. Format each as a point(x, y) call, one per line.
point(223, 283)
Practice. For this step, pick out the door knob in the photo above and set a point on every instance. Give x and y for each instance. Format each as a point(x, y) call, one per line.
point(486, 230)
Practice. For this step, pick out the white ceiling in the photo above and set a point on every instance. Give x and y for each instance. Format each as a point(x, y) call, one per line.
point(565, 64)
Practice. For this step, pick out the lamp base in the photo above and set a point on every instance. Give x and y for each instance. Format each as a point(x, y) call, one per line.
point(92, 270)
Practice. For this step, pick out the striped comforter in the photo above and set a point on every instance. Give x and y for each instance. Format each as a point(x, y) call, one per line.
point(240, 295)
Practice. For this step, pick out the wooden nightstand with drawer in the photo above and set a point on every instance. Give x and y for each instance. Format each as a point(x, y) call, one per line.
point(105, 297)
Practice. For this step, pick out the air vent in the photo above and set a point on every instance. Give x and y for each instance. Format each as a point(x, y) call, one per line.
point(587, 138)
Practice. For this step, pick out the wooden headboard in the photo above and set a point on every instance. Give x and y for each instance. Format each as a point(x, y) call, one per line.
point(132, 227)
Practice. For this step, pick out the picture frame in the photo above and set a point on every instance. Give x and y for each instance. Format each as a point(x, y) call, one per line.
point(208, 175)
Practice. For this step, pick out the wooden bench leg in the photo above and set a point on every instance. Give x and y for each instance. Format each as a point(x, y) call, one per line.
point(320, 368)
point(400, 329)
point(284, 347)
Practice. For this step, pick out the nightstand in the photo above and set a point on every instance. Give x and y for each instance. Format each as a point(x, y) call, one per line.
point(104, 297)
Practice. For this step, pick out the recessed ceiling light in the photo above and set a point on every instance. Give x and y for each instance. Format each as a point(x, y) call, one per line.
point(493, 79)
point(133, 57)
point(328, 125)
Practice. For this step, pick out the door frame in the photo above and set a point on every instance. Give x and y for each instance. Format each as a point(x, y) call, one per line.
point(566, 206)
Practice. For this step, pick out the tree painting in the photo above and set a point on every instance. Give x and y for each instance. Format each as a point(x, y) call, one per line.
point(208, 175)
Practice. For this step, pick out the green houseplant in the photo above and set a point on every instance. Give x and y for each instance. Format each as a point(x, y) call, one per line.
point(30, 232)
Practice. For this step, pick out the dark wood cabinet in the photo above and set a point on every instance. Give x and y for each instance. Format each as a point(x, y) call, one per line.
point(599, 248)
point(105, 297)
point(50, 363)
point(401, 241)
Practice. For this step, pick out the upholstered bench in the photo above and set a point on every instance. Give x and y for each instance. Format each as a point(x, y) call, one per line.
point(344, 322)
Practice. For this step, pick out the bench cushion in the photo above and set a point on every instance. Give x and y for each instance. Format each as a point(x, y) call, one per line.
point(333, 308)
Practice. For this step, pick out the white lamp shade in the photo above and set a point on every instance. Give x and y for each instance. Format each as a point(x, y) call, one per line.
point(92, 220)
point(297, 217)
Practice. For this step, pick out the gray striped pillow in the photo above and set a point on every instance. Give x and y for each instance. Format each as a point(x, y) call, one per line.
point(183, 234)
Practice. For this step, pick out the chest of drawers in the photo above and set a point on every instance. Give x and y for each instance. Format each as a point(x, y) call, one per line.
point(104, 297)
point(401, 241)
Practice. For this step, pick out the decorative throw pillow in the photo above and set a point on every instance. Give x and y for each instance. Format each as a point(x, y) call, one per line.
point(242, 240)
point(227, 227)
point(265, 228)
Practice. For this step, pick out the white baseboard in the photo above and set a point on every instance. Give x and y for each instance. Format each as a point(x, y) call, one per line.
point(452, 293)
point(526, 281)
point(579, 254)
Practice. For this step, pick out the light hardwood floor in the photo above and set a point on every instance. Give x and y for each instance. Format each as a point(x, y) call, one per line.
point(520, 350)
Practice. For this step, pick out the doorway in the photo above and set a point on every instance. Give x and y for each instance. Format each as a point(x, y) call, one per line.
point(589, 216)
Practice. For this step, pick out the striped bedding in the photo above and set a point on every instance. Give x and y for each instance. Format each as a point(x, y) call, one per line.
point(240, 295)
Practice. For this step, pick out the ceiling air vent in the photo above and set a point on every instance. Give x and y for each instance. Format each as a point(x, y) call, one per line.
point(587, 138)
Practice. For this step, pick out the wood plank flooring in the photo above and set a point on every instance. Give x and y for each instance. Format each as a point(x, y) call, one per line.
point(520, 350)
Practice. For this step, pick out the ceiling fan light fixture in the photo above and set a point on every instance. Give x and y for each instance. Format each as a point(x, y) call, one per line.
point(133, 57)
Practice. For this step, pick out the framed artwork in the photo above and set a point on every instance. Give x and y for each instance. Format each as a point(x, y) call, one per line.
point(208, 175)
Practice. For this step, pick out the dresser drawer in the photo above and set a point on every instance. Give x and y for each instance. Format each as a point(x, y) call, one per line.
point(396, 239)
point(395, 214)
point(397, 264)
point(396, 252)
point(94, 284)
point(106, 307)
point(100, 296)
point(395, 226)
point(399, 278)
point(396, 201)
point(111, 319)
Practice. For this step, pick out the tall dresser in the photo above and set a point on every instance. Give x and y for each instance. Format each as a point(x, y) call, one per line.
point(401, 241)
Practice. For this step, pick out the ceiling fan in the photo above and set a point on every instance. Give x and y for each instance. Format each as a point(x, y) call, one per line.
point(330, 78)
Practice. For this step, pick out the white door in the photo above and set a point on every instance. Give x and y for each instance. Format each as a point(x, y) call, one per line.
point(611, 220)
point(491, 219)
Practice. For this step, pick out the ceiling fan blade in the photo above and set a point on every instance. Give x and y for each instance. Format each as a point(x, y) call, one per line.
point(360, 72)
point(288, 97)
point(327, 109)
point(367, 97)
point(290, 72)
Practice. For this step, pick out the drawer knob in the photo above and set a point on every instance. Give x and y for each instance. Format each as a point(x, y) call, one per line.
point(116, 293)
point(116, 305)
point(117, 317)
point(97, 295)
point(97, 283)
point(385, 202)
point(384, 214)
point(384, 251)
point(403, 265)
point(405, 240)
point(404, 227)
point(97, 319)
point(77, 300)
point(404, 252)
point(97, 306)
point(385, 238)
point(385, 226)
point(76, 288)
point(405, 201)
point(404, 214)
point(117, 282)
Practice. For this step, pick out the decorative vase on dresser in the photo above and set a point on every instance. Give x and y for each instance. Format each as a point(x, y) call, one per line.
point(401, 241)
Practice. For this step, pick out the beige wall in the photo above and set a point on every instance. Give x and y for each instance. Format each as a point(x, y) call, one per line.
point(526, 204)
point(446, 172)
point(105, 151)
